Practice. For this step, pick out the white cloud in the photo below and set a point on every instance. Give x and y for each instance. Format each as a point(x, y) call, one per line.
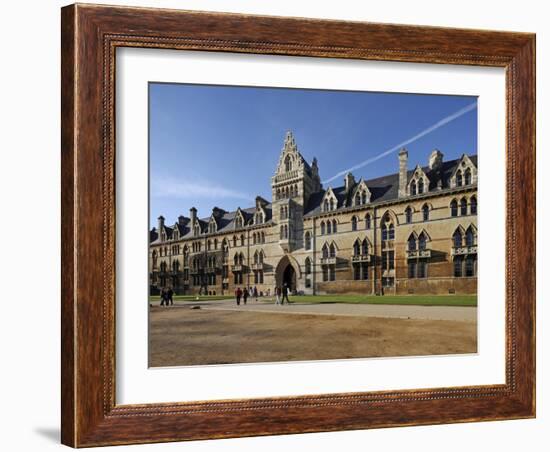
point(170, 188)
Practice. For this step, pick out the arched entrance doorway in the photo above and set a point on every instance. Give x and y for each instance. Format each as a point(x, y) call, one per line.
point(289, 277)
point(287, 272)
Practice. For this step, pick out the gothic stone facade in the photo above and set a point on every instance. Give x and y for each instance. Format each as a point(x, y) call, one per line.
point(412, 232)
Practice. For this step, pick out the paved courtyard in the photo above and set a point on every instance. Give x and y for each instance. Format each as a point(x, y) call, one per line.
point(220, 332)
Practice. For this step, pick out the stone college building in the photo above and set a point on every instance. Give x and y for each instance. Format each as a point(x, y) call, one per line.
point(412, 232)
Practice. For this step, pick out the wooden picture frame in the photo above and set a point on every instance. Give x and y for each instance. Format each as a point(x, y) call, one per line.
point(90, 36)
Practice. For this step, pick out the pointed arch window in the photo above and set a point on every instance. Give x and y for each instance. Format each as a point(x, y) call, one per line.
point(454, 208)
point(365, 247)
point(363, 197)
point(463, 207)
point(325, 251)
point(332, 250)
point(325, 205)
point(329, 227)
point(473, 205)
point(356, 248)
point(367, 221)
point(457, 239)
point(307, 241)
point(468, 177)
point(459, 178)
point(288, 164)
point(420, 186)
point(425, 212)
point(354, 223)
point(357, 198)
point(334, 226)
point(308, 266)
point(413, 188)
point(331, 203)
point(470, 237)
point(322, 228)
point(408, 215)
point(422, 239)
point(411, 243)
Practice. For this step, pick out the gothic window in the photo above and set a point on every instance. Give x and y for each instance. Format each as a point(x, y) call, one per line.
point(329, 227)
point(457, 239)
point(288, 164)
point(322, 228)
point(254, 238)
point(457, 263)
point(278, 196)
point(425, 212)
point(459, 178)
point(242, 239)
point(308, 266)
point(454, 208)
point(420, 186)
point(234, 241)
point(473, 205)
point(413, 188)
point(391, 232)
point(325, 251)
point(307, 241)
point(263, 237)
point(325, 273)
point(356, 272)
point(256, 257)
point(412, 269)
point(209, 245)
point(238, 222)
point(334, 226)
point(261, 257)
point(463, 207)
point(411, 243)
point(468, 177)
point(367, 221)
point(363, 197)
point(332, 250)
point(471, 265)
point(365, 247)
point(325, 205)
point(408, 215)
point(331, 273)
point(470, 237)
point(215, 244)
point(196, 230)
point(422, 269)
point(354, 223)
point(356, 248)
point(357, 198)
point(331, 203)
point(422, 239)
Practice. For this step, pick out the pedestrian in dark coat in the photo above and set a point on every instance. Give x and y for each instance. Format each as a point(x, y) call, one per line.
point(169, 297)
point(256, 293)
point(245, 295)
point(285, 294)
point(162, 296)
point(238, 294)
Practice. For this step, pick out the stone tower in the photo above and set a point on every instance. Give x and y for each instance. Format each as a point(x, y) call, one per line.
point(291, 186)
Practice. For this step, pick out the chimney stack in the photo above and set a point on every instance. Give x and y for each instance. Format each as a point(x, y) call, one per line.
point(160, 226)
point(193, 214)
point(181, 220)
point(403, 161)
point(349, 182)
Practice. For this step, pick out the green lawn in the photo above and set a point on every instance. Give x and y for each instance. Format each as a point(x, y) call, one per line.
point(422, 300)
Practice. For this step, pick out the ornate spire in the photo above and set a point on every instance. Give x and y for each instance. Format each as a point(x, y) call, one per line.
point(290, 143)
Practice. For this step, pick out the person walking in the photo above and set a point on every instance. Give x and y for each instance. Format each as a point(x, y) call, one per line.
point(245, 295)
point(162, 296)
point(285, 294)
point(169, 297)
point(256, 293)
point(238, 294)
point(277, 295)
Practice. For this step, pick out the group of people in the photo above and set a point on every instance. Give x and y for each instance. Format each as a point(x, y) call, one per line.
point(281, 294)
point(166, 297)
point(245, 294)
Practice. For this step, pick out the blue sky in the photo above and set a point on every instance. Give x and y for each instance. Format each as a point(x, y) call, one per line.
point(219, 145)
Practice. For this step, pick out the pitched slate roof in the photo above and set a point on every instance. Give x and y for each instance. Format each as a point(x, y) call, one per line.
point(386, 188)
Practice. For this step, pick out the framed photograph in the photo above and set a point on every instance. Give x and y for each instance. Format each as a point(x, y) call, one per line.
point(281, 225)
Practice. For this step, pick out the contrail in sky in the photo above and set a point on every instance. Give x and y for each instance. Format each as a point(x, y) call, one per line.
point(437, 125)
